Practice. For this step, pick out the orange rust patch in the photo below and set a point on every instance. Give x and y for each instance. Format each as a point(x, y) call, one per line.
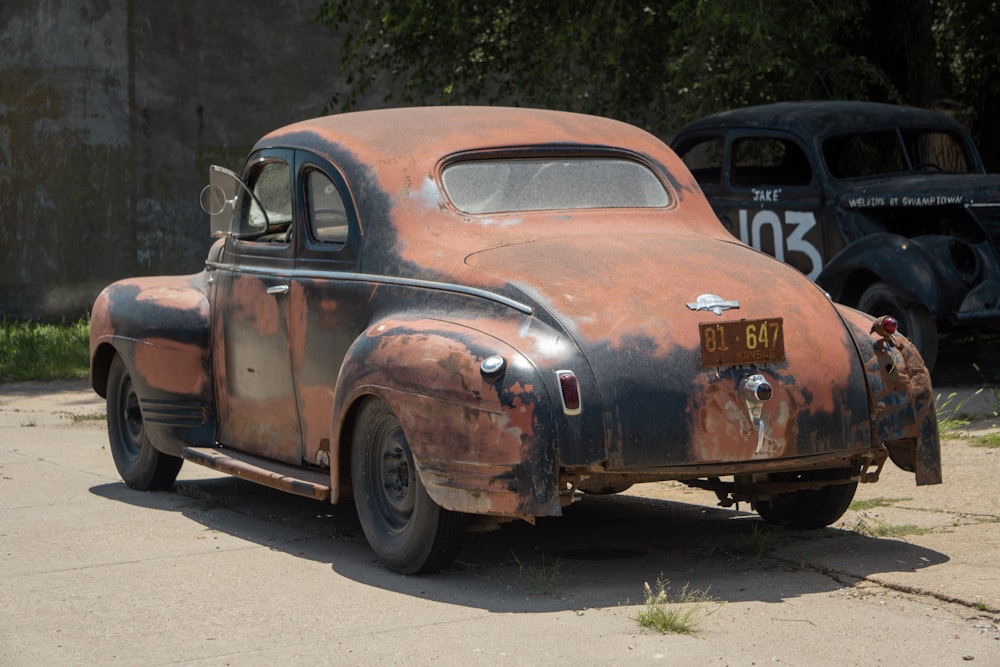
point(172, 367)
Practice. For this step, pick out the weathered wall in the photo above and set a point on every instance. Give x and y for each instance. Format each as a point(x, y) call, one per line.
point(111, 112)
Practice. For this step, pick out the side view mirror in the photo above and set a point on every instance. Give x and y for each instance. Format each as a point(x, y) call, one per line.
point(222, 199)
point(214, 201)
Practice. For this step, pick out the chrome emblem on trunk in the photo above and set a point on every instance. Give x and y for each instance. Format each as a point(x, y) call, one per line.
point(714, 303)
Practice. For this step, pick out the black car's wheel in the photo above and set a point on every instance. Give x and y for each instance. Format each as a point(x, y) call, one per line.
point(406, 529)
point(809, 508)
point(140, 465)
point(915, 321)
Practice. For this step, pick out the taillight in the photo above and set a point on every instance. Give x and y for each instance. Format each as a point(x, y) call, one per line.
point(569, 392)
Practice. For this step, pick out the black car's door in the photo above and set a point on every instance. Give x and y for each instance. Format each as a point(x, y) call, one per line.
point(255, 394)
point(771, 199)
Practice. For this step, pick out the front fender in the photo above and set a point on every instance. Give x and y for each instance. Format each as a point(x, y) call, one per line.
point(480, 447)
point(160, 328)
point(900, 262)
point(904, 418)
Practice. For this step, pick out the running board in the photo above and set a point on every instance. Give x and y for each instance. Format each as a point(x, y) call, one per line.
point(301, 482)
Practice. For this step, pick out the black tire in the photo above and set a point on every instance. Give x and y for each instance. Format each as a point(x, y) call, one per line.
point(140, 465)
point(405, 528)
point(810, 508)
point(915, 321)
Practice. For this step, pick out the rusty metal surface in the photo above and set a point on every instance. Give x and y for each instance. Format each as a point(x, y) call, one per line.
point(289, 479)
point(160, 326)
point(298, 334)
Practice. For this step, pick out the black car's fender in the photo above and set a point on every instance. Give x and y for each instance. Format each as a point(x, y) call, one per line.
point(904, 264)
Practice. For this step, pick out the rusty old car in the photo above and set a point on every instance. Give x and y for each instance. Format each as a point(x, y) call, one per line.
point(888, 208)
point(457, 312)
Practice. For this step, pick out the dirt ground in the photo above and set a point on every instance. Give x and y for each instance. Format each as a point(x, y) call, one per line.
point(221, 571)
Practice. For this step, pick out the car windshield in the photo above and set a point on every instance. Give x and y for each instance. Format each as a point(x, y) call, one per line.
point(891, 151)
point(504, 185)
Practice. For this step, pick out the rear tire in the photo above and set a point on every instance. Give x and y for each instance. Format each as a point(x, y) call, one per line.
point(405, 528)
point(140, 465)
point(809, 508)
point(915, 321)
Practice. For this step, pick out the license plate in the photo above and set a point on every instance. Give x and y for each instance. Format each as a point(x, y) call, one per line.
point(742, 343)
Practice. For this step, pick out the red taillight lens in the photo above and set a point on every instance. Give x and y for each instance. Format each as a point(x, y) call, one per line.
point(569, 391)
point(890, 324)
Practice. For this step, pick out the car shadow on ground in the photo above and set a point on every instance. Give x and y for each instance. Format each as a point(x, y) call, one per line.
point(599, 554)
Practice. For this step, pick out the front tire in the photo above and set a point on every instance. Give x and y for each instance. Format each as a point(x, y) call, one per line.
point(809, 508)
point(915, 321)
point(406, 529)
point(140, 465)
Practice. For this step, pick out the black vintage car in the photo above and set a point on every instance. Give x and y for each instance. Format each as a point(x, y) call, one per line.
point(888, 208)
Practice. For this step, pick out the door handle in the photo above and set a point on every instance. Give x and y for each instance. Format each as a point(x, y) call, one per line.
point(278, 289)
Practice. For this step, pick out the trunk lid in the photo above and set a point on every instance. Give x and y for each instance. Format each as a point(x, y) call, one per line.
point(625, 300)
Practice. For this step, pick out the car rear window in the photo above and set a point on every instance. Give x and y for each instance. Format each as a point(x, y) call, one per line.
point(534, 184)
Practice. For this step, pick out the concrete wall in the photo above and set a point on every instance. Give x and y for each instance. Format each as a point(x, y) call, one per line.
point(111, 112)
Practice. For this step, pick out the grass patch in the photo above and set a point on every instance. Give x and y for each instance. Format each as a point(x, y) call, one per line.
point(989, 440)
point(539, 578)
point(950, 412)
point(35, 351)
point(760, 540)
point(83, 419)
point(862, 505)
point(680, 614)
point(870, 527)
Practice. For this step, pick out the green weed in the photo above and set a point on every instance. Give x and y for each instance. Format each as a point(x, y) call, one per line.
point(989, 440)
point(539, 578)
point(872, 503)
point(870, 527)
point(35, 351)
point(681, 614)
point(760, 540)
point(952, 417)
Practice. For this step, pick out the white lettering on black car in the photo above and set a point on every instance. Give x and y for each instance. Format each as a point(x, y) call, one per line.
point(800, 221)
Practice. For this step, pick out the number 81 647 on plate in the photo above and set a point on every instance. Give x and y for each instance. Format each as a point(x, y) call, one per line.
point(742, 343)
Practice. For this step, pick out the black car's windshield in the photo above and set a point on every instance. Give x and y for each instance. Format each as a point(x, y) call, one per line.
point(891, 151)
point(504, 185)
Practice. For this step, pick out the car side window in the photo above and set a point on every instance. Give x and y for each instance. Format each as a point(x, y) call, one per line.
point(327, 212)
point(769, 161)
point(272, 187)
point(704, 159)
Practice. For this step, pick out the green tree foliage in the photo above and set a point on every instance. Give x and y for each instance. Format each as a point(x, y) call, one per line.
point(657, 64)
point(968, 52)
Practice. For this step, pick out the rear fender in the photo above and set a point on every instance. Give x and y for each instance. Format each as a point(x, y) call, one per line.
point(480, 446)
point(160, 328)
point(904, 418)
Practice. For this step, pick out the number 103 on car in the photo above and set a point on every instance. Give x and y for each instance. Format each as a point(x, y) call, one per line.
point(743, 342)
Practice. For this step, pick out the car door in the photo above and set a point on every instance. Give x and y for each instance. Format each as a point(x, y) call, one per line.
point(328, 302)
point(771, 199)
point(255, 394)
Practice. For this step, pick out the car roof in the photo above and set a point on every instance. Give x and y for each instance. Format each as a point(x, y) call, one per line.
point(823, 118)
point(433, 132)
point(390, 159)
